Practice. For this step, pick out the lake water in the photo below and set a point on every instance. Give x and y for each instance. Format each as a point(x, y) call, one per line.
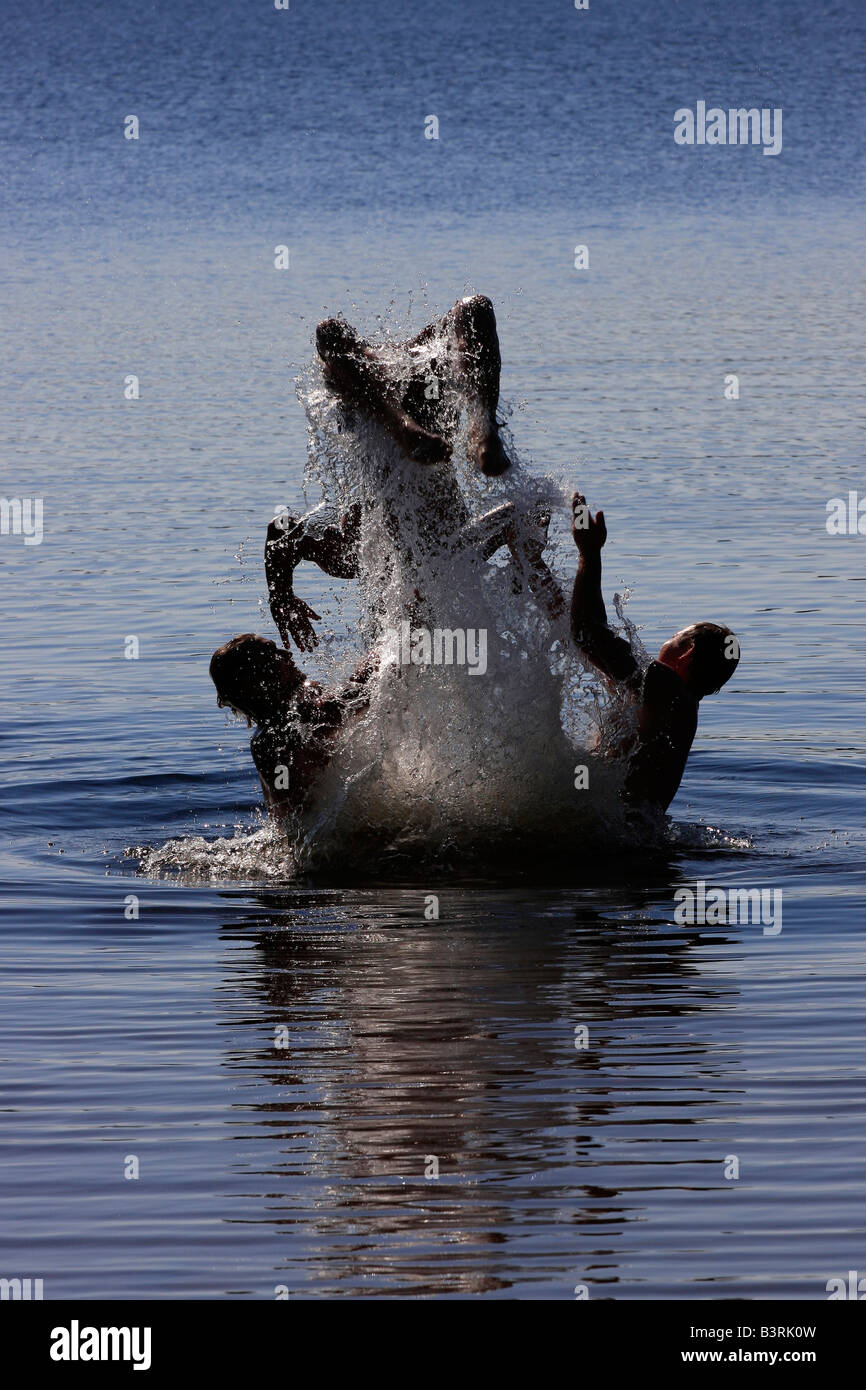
point(285, 1059)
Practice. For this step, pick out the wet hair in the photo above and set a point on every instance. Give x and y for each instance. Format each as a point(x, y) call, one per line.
point(715, 655)
point(247, 676)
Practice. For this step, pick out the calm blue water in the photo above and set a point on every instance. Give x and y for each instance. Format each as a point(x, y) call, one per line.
point(304, 1165)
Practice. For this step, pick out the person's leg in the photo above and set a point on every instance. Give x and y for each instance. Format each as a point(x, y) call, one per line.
point(418, 406)
point(456, 360)
point(356, 372)
point(474, 325)
point(429, 390)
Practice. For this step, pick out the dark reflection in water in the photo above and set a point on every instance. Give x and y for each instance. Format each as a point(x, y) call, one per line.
point(306, 1165)
point(411, 1044)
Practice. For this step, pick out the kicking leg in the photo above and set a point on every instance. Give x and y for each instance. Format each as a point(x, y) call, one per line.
point(357, 373)
point(474, 325)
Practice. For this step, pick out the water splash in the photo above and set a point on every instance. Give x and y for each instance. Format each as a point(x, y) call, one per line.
point(248, 855)
point(447, 765)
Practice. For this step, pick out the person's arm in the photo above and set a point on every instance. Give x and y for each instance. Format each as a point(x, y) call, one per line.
point(489, 532)
point(268, 756)
point(366, 667)
point(612, 655)
point(352, 698)
point(527, 549)
point(289, 541)
point(291, 758)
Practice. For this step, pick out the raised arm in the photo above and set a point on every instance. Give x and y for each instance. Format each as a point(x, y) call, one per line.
point(289, 541)
point(610, 654)
point(526, 543)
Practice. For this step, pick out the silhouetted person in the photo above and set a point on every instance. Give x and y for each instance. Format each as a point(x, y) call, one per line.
point(298, 719)
point(695, 662)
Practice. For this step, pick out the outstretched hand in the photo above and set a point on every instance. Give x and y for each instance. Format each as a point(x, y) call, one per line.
point(589, 532)
point(297, 622)
point(527, 544)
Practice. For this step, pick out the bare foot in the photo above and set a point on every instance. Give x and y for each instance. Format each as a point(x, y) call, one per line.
point(485, 449)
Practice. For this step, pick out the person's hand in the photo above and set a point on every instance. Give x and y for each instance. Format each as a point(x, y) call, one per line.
point(527, 549)
point(589, 532)
point(298, 619)
point(527, 537)
point(544, 586)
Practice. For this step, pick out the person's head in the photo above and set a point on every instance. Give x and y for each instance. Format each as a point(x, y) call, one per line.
point(254, 677)
point(704, 656)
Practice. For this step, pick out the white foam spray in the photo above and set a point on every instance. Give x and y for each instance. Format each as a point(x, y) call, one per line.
point(445, 766)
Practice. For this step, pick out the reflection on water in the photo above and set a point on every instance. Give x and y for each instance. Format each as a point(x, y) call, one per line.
point(412, 1045)
point(287, 1063)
